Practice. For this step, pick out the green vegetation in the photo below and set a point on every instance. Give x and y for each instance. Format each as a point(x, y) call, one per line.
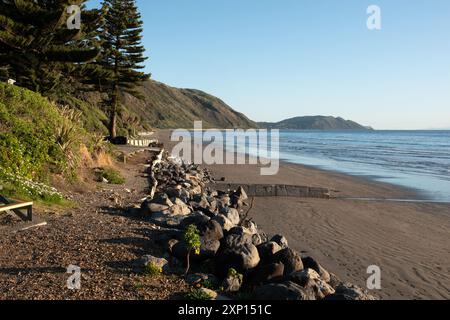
point(121, 56)
point(192, 240)
point(37, 139)
point(234, 274)
point(152, 270)
point(314, 123)
point(111, 175)
point(197, 294)
point(39, 51)
point(84, 82)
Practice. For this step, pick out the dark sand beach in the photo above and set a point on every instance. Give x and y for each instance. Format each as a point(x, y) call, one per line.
point(409, 241)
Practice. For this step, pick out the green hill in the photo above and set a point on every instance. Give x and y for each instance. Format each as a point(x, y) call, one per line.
point(162, 107)
point(167, 107)
point(314, 123)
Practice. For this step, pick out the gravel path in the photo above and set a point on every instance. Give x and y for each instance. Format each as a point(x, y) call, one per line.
point(100, 235)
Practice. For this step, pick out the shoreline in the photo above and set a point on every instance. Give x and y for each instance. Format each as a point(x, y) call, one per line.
point(408, 240)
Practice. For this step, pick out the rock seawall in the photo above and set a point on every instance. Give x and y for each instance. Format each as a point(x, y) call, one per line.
point(235, 258)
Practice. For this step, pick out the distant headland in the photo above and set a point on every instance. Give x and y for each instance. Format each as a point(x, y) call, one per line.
point(314, 123)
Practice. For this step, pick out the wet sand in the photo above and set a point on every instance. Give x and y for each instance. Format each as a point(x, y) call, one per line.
point(409, 241)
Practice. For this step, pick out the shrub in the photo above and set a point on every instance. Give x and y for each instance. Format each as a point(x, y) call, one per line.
point(152, 270)
point(198, 294)
point(111, 175)
point(36, 136)
point(192, 240)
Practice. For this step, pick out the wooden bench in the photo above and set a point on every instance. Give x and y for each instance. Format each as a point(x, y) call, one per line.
point(14, 205)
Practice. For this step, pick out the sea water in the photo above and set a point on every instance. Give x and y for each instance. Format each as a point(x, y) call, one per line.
point(415, 159)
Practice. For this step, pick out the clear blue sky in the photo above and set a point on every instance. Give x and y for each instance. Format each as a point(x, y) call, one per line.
point(274, 59)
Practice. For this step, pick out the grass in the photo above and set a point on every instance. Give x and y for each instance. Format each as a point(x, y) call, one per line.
point(111, 175)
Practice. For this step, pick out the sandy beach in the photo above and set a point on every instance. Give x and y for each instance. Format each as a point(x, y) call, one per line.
point(409, 241)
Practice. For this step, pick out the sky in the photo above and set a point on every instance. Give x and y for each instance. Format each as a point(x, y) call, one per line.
point(276, 59)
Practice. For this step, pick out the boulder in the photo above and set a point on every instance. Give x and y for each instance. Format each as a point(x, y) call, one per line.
point(257, 239)
point(281, 240)
point(309, 278)
point(167, 220)
point(161, 198)
point(291, 260)
point(310, 263)
point(251, 227)
point(347, 291)
point(283, 291)
point(174, 192)
point(148, 208)
point(223, 221)
point(195, 190)
point(212, 230)
point(241, 194)
point(334, 281)
point(232, 283)
point(208, 250)
point(266, 273)
point(238, 198)
point(223, 201)
point(242, 258)
point(267, 250)
point(235, 241)
point(196, 218)
point(180, 208)
point(238, 230)
point(141, 263)
point(232, 215)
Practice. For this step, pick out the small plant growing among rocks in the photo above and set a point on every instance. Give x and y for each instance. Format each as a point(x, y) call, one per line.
point(232, 273)
point(192, 240)
point(110, 175)
point(152, 270)
point(198, 294)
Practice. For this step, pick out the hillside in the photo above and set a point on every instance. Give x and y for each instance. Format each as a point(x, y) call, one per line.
point(314, 123)
point(167, 107)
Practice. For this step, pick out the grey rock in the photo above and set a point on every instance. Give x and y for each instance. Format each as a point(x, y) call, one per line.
point(268, 250)
point(146, 260)
point(179, 208)
point(310, 263)
point(349, 291)
point(267, 273)
point(196, 218)
point(212, 230)
point(281, 240)
point(309, 278)
point(242, 258)
point(257, 239)
point(291, 260)
point(233, 215)
point(235, 241)
point(223, 221)
point(283, 291)
point(232, 284)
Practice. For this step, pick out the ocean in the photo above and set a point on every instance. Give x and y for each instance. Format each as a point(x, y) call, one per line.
point(415, 159)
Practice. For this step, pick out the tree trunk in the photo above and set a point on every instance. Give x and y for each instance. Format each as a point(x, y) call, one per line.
point(113, 114)
point(187, 263)
point(113, 124)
